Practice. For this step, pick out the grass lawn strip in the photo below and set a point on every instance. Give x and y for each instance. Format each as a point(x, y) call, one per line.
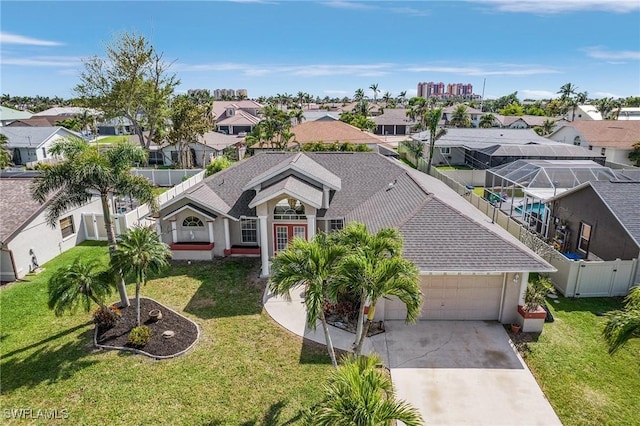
point(244, 370)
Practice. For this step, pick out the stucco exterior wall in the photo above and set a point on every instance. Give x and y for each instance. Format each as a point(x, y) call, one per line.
point(46, 242)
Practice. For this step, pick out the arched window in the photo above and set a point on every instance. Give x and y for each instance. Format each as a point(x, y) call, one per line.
point(576, 140)
point(192, 221)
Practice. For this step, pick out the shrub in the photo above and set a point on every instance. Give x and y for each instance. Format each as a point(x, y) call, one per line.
point(139, 336)
point(217, 165)
point(106, 318)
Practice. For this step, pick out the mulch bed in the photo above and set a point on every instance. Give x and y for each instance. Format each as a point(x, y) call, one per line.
point(116, 337)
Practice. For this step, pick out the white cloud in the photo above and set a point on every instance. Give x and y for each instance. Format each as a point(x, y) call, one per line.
point(451, 70)
point(536, 94)
point(478, 71)
point(8, 38)
point(336, 92)
point(340, 4)
point(561, 6)
point(607, 95)
point(409, 11)
point(598, 52)
point(44, 61)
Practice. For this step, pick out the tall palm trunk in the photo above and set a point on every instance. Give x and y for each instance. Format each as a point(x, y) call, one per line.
point(370, 315)
point(138, 302)
point(327, 339)
point(111, 239)
point(363, 300)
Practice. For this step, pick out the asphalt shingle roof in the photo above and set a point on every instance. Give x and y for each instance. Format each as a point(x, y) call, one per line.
point(16, 205)
point(623, 199)
point(442, 231)
point(24, 137)
point(293, 186)
point(608, 133)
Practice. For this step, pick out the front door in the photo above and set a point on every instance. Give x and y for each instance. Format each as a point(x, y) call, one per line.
point(282, 234)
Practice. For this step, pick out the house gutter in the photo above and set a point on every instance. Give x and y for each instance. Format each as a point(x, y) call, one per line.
point(504, 289)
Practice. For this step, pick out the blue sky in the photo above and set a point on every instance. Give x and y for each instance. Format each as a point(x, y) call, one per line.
point(335, 47)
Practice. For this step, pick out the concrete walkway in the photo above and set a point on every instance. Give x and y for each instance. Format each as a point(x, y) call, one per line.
point(454, 372)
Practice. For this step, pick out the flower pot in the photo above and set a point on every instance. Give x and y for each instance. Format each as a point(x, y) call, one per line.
point(515, 328)
point(155, 315)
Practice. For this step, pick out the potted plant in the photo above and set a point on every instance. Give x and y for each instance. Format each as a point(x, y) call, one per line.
point(515, 328)
point(155, 315)
point(533, 314)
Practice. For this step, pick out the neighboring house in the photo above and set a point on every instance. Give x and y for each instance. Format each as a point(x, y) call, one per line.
point(208, 147)
point(629, 113)
point(27, 241)
point(474, 114)
point(332, 131)
point(115, 127)
point(32, 144)
point(47, 121)
point(599, 222)
point(584, 112)
point(66, 111)
point(321, 115)
point(487, 148)
point(9, 115)
point(393, 122)
point(521, 121)
point(469, 268)
point(236, 117)
point(611, 138)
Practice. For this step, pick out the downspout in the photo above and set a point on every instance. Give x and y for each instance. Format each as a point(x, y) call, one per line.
point(504, 289)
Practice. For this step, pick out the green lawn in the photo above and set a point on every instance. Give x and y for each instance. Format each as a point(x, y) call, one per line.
point(450, 168)
point(585, 385)
point(108, 140)
point(245, 369)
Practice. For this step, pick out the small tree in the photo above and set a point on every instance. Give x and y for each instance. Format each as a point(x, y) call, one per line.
point(634, 155)
point(360, 393)
point(623, 325)
point(140, 252)
point(5, 154)
point(219, 164)
point(79, 284)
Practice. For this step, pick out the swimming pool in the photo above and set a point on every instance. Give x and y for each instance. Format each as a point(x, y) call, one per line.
point(533, 207)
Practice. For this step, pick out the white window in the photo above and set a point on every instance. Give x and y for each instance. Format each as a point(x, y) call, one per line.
point(282, 237)
point(602, 151)
point(249, 230)
point(299, 232)
point(192, 221)
point(336, 224)
point(584, 237)
point(446, 150)
point(66, 226)
point(576, 141)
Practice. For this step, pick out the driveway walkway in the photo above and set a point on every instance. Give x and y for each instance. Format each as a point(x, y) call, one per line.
point(454, 372)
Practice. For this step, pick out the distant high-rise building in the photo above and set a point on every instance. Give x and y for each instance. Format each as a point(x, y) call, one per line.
point(241, 93)
point(437, 90)
point(229, 94)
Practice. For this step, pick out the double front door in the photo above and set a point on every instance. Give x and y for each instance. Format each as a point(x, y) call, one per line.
point(283, 233)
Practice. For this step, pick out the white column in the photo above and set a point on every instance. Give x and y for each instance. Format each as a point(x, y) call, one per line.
point(95, 226)
point(174, 232)
point(116, 222)
point(227, 237)
point(521, 280)
point(264, 246)
point(311, 226)
point(325, 197)
point(210, 223)
point(159, 229)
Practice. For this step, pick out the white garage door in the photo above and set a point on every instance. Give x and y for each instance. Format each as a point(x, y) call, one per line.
point(454, 297)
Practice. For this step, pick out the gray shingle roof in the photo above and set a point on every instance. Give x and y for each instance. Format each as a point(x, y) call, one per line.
point(394, 116)
point(25, 137)
point(442, 231)
point(298, 162)
point(560, 150)
point(623, 199)
point(479, 138)
point(16, 206)
point(291, 185)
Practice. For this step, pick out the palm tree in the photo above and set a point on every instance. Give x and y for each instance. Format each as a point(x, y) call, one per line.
point(140, 252)
point(486, 121)
point(360, 393)
point(358, 95)
point(387, 98)
point(86, 171)
point(547, 127)
point(5, 154)
point(355, 237)
point(310, 264)
point(624, 324)
point(79, 284)
point(604, 107)
point(567, 93)
point(460, 117)
point(435, 133)
point(374, 88)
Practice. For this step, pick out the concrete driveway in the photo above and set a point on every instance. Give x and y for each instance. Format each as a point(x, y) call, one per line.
point(463, 373)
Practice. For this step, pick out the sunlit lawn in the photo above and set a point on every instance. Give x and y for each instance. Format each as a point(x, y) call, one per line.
point(244, 370)
point(585, 385)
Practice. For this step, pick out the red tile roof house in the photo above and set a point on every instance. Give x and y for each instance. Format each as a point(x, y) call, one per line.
point(470, 268)
point(612, 138)
point(236, 117)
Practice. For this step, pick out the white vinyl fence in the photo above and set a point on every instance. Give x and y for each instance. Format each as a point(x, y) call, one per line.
point(94, 223)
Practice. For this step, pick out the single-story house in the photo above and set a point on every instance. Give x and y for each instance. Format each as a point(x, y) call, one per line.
point(66, 111)
point(9, 115)
point(27, 241)
point(46, 121)
point(208, 147)
point(469, 268)
point(474, 114)
point(611, 138)
point(598, 221)
point(521, 121)
point(115, 126)
point(393, 122)
point(321, 115)
point(236, 117)
point(486, 148)
point(32, 144)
